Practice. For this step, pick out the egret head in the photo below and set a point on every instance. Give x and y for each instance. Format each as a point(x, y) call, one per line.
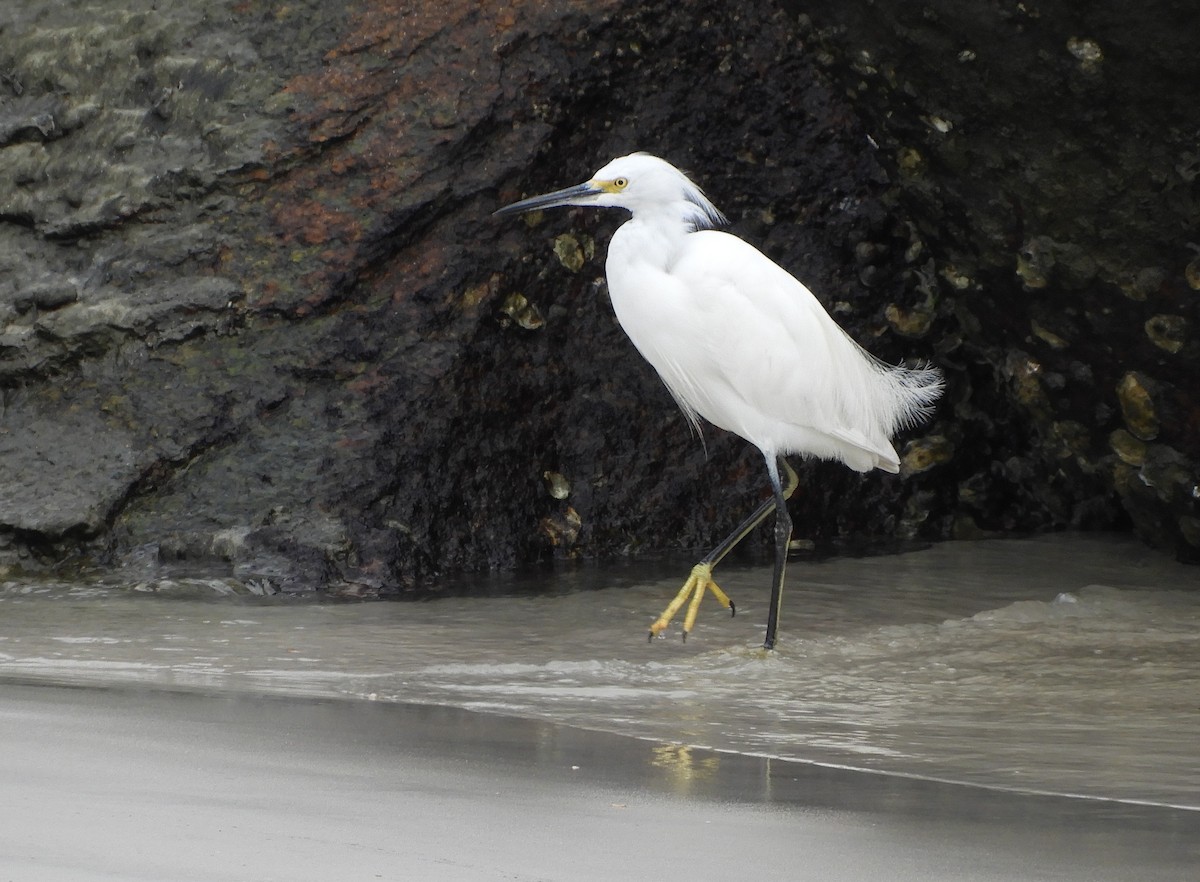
point(642, 184)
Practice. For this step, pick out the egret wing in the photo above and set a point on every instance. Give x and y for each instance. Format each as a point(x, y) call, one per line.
point(771, 344)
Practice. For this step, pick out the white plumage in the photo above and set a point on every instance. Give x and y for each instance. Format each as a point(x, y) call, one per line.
point(737, 339)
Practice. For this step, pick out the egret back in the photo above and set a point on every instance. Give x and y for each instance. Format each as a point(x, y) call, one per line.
point(743, 344)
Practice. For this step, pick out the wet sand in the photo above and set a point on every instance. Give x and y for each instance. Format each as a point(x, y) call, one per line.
point(126, 784)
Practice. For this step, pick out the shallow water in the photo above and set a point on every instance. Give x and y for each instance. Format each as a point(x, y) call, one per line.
point(1066, 664)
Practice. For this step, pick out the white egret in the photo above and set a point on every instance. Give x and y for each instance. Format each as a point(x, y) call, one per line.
point(740, 342)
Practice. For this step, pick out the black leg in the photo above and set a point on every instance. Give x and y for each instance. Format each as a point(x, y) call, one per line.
point(789, 483)
point(783, 539)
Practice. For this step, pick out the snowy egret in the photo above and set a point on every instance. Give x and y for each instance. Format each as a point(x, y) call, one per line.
point(740, 342)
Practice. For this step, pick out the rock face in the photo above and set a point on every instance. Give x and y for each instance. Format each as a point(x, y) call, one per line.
point(255, 315)
point(1044, 151)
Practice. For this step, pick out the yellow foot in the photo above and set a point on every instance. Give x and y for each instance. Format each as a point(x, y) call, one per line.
point(698, 582)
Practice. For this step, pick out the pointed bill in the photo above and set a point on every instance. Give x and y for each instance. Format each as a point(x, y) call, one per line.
point(580, 194)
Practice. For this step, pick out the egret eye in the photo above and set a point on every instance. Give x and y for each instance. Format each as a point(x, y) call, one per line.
point(621, 183)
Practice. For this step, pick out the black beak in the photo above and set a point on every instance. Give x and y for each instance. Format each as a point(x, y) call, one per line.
point(577, 195)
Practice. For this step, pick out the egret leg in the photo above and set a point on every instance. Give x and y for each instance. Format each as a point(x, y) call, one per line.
point(701, 581)
point(783, 538)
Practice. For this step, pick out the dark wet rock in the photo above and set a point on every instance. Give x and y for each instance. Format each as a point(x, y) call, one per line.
point(1044, 155)
point(75, 467)
point(255, 314)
